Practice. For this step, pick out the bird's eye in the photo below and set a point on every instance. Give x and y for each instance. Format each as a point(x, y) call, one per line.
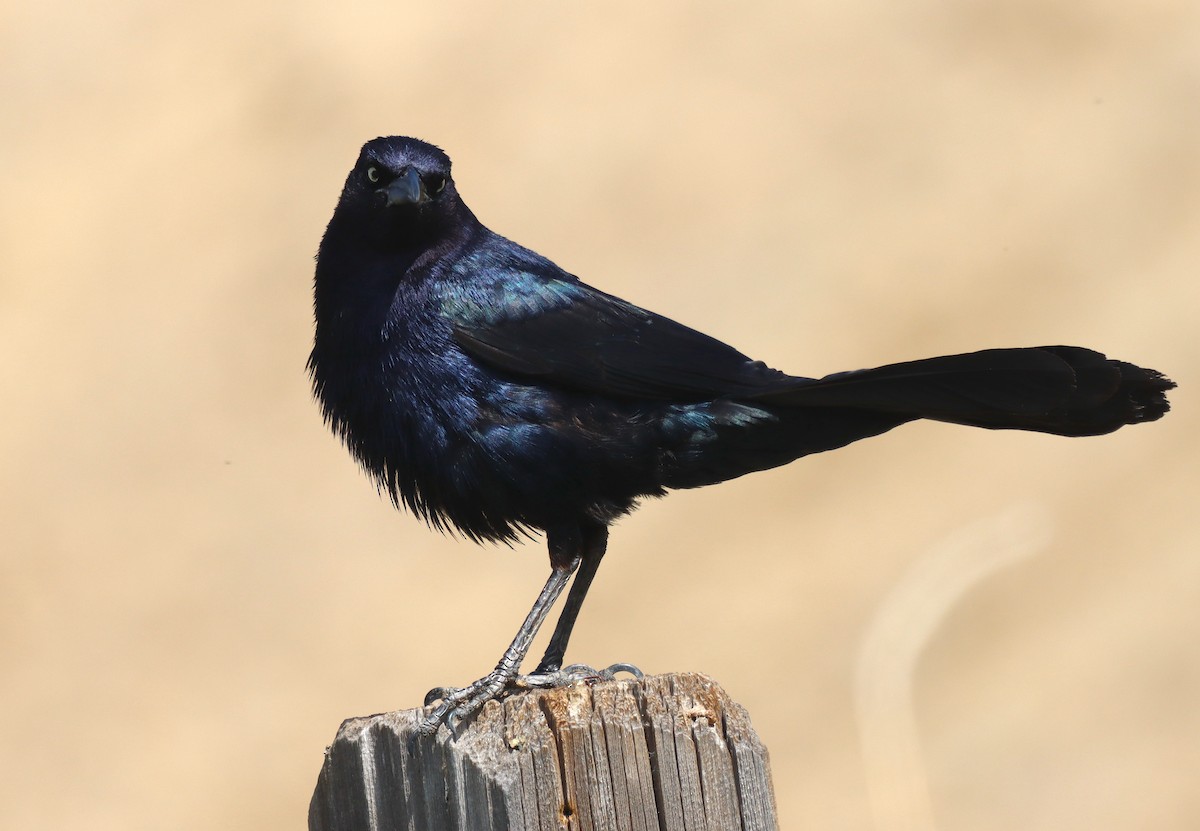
point(372, 174)
point(437, 184)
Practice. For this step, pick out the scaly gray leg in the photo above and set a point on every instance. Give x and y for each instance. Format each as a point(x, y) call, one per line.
point(458, 704)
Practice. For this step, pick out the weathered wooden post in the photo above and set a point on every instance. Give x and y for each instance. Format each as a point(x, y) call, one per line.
point(664, 753)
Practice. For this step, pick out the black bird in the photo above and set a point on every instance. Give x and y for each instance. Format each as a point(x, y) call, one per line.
point(494, 394)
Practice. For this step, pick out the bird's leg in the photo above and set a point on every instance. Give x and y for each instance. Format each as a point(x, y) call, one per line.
point(550, 672)
point(457, 704)
point(595, 541)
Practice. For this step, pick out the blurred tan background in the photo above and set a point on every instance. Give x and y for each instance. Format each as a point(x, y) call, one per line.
point(982, 630)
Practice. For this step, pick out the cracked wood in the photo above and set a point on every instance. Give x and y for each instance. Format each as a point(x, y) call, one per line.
point(667, 753)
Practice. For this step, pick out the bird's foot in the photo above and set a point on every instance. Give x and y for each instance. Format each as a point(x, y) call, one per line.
point(576, 673)
point(460, 703)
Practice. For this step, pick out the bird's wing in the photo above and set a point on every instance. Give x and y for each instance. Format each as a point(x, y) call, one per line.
point(570, 334)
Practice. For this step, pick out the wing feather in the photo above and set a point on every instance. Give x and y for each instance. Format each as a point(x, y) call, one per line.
point(582, 338)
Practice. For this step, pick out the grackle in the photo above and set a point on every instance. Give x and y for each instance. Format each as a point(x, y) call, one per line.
point(494, 394)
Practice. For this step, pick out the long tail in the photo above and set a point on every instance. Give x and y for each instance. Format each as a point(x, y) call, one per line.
point(1066, 390)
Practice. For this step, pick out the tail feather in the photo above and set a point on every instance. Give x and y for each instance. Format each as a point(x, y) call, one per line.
point(1065, 390)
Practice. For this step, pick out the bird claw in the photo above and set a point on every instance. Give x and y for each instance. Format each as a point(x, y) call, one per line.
point(438, 694)
point(460, 703)
point(610, 672)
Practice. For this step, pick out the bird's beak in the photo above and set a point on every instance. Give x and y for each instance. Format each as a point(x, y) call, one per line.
point(406, 190)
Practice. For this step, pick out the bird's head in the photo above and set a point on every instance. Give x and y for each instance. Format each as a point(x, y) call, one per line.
point(401, 190)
